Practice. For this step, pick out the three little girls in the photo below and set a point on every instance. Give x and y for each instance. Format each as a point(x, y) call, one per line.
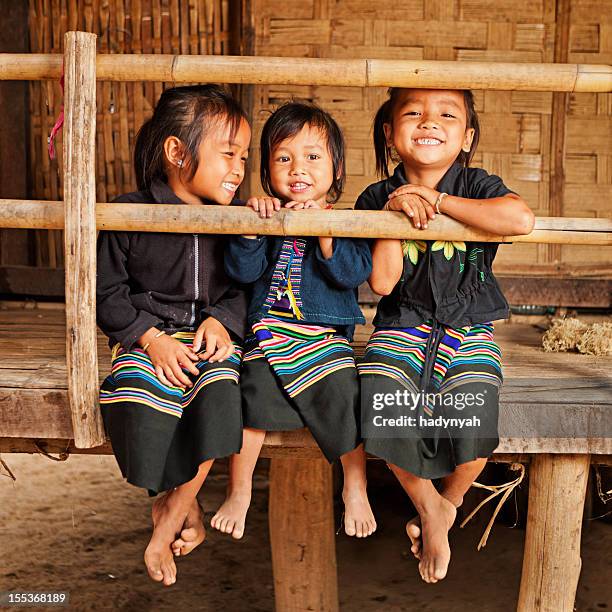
point(175, 310)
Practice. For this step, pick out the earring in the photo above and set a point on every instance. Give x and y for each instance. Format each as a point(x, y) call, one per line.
point(395, 158)
point(180, 163)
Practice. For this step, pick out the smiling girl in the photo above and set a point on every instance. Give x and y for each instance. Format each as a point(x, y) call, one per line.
point(299, 369)
point(171, 404)
point(434, 334)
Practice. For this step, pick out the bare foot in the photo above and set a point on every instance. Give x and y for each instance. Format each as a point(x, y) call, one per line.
point(167, 521)
point(435, 553)
point(413, 528)
point(193, 532)
point(358, 516)
point(231, 516)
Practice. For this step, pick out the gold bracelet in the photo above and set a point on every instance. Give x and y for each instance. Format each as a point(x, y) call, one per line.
point(157, 335)
point(439, 201)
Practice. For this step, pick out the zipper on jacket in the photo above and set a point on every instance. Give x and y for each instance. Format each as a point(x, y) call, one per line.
point(196, 278)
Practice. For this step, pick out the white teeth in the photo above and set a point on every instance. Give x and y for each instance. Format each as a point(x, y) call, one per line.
point(428, 141)
point(230, 186)
point(298, 186)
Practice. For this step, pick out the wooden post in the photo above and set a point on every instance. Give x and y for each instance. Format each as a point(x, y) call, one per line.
point(551, 561)
point(80, 237)
point(302, 535)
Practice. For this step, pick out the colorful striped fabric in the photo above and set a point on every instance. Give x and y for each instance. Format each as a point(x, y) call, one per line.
point(133, 379)
point(464, 355)
point(300, 354)
point(288, 269)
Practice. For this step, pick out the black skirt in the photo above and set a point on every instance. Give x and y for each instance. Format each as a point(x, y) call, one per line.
point(430, 396)
point(297, 375)
point(159, 434)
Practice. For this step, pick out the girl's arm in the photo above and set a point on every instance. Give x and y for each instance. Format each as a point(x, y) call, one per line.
point(507, 215)
point(387, 265)
point(246, 258)
point(346, 262)
point(116, 315)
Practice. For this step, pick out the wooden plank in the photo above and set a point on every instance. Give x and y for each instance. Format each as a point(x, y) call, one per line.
point(29, 280)
point(80, 237)
point(42, 413)
point(551, 561)
point(543, 291)
point(540, 291)
point(301, 520)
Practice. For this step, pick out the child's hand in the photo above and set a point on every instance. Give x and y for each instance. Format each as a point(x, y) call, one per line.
point(414, 205)
point(169, 358)
point(265, 207)
point(217, 341)
point(307, 204)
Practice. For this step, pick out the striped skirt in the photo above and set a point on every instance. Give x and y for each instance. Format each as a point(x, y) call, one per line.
point(298, 375)
point(160, 434)
point(430, 396)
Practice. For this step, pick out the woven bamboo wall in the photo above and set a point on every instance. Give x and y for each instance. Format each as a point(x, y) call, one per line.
point(122, 26)
point(520, 129)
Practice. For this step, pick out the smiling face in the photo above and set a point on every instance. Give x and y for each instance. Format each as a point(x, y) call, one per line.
point(301, 167)
point(429, 127)
point(221, 166)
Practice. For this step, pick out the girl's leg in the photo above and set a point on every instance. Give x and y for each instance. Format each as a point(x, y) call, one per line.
point(169, 515)
point(231, 516)
point(358, 517)
point(437, 517)
point(454, 487)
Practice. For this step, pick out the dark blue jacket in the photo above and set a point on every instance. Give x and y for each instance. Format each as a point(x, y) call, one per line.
point(328, 287)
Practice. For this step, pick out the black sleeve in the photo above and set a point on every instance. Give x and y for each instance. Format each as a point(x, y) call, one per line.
point(230, 310)
point(115, 313)
point(368, 201)
point(482, 185)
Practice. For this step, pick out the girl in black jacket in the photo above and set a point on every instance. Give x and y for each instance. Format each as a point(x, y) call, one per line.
point(171, 404)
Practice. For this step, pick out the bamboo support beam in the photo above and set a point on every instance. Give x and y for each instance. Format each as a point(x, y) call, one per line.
point(44, 214)
point(80, 238)
point(321, 71)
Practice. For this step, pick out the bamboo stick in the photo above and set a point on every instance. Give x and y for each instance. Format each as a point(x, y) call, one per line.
point(322, 71)
point(42, 214)
point(80, 237)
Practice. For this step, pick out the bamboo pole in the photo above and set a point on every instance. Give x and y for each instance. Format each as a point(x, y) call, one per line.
point(551, 562)
point(43, 214)
point(80, 237)
point(321, 71)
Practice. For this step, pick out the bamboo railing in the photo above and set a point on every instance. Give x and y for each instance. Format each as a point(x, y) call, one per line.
point(45, 214)
point(313, 71)
point(80, 216)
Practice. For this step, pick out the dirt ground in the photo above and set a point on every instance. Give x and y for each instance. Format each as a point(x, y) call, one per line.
point(75, 526)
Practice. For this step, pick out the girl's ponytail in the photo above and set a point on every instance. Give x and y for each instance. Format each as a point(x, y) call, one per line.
point(381, 150)
point(144, 150)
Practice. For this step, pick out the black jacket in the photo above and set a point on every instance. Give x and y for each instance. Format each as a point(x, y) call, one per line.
point(169, 281)
point(451, 282)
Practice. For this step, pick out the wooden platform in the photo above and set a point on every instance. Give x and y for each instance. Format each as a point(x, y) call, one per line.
point(574, 388)
point(570, 390)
